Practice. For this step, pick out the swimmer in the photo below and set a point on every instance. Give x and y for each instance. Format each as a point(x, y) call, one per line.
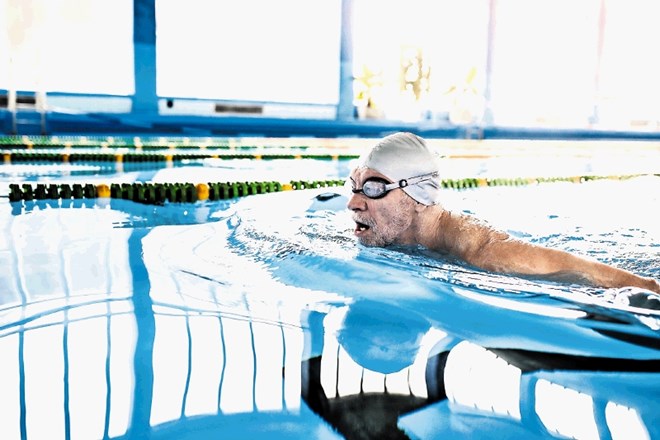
point(396, 201)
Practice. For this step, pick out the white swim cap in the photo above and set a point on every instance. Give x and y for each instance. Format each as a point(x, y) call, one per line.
point(403, 156)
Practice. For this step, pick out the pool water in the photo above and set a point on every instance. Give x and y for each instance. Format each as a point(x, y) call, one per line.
point(262, 317)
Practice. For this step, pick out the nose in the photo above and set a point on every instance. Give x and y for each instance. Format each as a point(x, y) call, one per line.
point(357, 202)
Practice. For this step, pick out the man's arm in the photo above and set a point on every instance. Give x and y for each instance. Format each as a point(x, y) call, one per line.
point(494, 250)
point(514, 256)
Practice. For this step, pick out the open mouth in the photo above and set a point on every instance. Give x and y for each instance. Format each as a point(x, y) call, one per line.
point(361, 227)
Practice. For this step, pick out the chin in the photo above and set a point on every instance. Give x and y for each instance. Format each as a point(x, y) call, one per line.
point(367, 241)
point(372, 241)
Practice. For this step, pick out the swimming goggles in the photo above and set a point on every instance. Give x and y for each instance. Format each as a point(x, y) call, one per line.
point(377, 187)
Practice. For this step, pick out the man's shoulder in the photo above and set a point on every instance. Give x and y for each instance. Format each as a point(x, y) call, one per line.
point(467, 227)
point(465, 220)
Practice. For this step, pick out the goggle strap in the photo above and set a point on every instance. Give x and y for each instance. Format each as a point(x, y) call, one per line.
point(417, 179)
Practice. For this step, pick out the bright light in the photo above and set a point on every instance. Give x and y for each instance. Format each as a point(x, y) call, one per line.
point(206, 365)
point(9, 384)
point(87, 353)
point(477, 378)
point(44, 390)
point(564, 411)
point(170, 365)
point(625, 423)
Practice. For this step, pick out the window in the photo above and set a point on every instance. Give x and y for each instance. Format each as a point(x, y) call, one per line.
point(544, 62)
point(628, 88)
point(250, 50)
point(420, 57)
point(78, 46)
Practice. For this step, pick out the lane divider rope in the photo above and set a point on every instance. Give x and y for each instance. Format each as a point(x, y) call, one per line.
point(160, 193)
point(157, 143)
point(23, 157)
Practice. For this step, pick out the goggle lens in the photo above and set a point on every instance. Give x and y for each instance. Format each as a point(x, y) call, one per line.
point(374, 189)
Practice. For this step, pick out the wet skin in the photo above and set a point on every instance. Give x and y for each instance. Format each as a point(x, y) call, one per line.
point(397, 219)
point(384, 221)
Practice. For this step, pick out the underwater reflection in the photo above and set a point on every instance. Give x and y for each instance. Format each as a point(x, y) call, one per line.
point(359, 371)
point(382, 375)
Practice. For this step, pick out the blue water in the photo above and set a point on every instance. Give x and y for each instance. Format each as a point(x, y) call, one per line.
point(262, 317)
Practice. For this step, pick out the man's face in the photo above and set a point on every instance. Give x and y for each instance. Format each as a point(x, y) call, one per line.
point(383, 221)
